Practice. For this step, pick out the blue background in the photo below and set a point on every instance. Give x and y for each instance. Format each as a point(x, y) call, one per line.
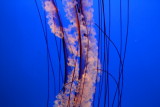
point(23, 63)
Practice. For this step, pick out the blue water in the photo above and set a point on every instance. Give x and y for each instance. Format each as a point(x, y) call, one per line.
point(23, 63)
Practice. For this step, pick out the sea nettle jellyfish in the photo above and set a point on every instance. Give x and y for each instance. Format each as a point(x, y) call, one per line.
point(79, 38)
point(86, 80)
